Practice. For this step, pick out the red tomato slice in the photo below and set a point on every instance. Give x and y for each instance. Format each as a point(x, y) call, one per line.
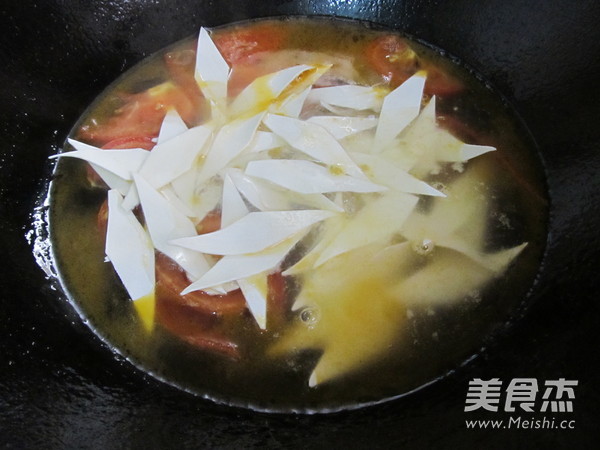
point(239, 44)
point(395, 61)
point(441, 84)
point(102, 218)
point(181, 65)
point(171, 280)
point(210, 223)
point(126, 142)
point(142, 114)
point(392, 58)
point(195, 328)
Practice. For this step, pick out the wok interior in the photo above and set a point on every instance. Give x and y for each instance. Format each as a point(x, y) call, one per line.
point(543, 59)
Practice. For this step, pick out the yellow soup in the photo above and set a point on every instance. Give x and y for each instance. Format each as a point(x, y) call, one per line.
point(297, 215)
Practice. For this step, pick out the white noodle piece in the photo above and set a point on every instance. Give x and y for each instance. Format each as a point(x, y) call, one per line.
point(267, 229)
point(212, 74)
point(349, 96)
point(236, 267)
point(307, 177)
point(172, 158)
point(342, 127)
point(166, 223)
point(259, 94)
point(129, 249)
point(230, 141)
point(172, 125)
point(265, 140)
point(293, 104)
point(382, 218)
point(383, 172)
point(255, 290)
point(112, 181)
point(267, 196)
point(122, 162)
point(314, 141)
point(428, 144)
point(399, 109)
point(233, 206)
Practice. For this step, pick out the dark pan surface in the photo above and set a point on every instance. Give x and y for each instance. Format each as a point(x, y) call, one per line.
point(60, 387)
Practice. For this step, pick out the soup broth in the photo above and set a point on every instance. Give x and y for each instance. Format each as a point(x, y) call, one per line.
point(394, 251)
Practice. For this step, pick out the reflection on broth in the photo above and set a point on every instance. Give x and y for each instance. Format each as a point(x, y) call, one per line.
point(297, 215)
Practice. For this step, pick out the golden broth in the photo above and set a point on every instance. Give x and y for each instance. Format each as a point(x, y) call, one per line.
point(273, 369)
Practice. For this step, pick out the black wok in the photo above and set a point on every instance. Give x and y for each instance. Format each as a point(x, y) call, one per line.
point(60, 387)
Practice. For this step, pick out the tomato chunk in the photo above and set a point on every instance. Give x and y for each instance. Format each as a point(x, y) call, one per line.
point(126, 142)
point(142, 114)
point(193, 327)
point(102, 218)
point(181, 66)
point(239, 44)
point(441, 84)
point(171, 280)
point(210, 223)
point(392, 58)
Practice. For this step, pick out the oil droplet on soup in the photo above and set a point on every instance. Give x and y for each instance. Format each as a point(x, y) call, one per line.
point(297, 224)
